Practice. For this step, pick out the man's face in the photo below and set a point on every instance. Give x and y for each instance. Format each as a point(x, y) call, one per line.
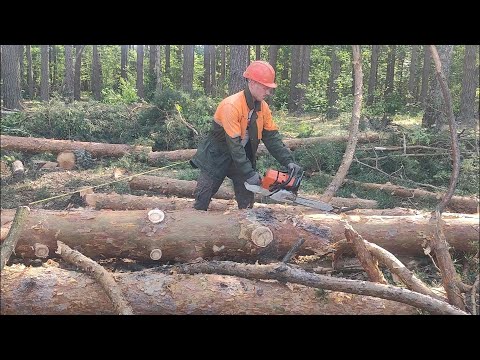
point(259, 91)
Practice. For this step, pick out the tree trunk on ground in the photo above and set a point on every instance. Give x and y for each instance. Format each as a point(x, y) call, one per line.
point(457, 203)
point(292, 144)
point(38, 145)
point(353, 132)
point(168, 186)
point(61, 292)
point(185, 188)
point(115, 201)
point(185, 235)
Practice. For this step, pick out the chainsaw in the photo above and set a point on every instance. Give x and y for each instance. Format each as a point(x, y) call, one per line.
point(283, 186)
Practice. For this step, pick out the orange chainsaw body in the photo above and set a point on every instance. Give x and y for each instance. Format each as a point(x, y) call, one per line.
point(274, 177)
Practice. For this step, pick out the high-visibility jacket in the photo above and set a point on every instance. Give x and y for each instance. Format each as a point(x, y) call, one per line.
point(223, 144)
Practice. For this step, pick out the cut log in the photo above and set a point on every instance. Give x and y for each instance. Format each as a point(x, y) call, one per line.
point(185, 235)
point(185, 188)
point(168, 186)
point(55, 291)
point(292, 144)
point(38, 145)
point(66, 160)
point(461, 204)
point(18, 170)
point(115, 201)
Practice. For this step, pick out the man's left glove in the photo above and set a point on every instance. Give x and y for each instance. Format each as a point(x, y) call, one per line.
point(294, 168)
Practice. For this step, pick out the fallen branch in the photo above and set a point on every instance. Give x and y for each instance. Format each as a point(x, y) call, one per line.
point(100, 274)
point(285, 273)
point(8, 246)
point(369, 264)
point(397, 268)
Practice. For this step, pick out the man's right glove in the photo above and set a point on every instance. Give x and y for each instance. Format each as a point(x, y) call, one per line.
point(255, 180)
point(294, 168)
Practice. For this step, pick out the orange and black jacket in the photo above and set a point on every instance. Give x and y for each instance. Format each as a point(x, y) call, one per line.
point(222, 146)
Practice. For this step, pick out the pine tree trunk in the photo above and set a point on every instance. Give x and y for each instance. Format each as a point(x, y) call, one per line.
point(259, 233)
point(55, 291)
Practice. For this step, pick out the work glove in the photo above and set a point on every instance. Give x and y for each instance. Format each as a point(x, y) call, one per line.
point(255, 179)
point(294, 168)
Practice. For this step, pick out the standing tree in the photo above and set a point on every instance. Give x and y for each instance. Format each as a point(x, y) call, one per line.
point(97, 81)
point(412, 76)
point(372, 79)
point(238, 64)
point(78, 71)
point(390, 72)
point(272, 55)
point(11, 76)
point(123, 62)
point(425, 74)
point(158, 70)
point(68, 89)
point(44, 84)
point(332, 95)
point(299, 77)
point(188, 62)
point(434, 115)
point(167, 59)
point(342, 171)
point(30, 83)
point(140, 85)
point(207, 77)
point(468, 106)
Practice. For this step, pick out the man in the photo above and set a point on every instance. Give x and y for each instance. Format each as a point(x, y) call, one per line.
point(240, 122)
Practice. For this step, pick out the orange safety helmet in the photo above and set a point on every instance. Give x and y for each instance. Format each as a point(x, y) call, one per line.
point(262, 72)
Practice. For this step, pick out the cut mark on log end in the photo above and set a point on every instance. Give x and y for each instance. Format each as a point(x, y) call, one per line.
point(156, 254)
point(156, 216)
point(41, 250)
point(262, 236)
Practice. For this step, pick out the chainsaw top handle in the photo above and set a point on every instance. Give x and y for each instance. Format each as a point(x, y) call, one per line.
point(277, 186)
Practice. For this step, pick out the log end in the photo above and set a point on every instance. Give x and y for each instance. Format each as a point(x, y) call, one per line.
point(156, 254)
point(66, 160)
point(41, 250)
point(262, 236)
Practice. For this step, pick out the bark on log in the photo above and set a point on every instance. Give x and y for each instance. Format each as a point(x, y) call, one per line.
point(461, 204)
point(185, 235)
point(55, 291)
point(8, 246)
point(38, 145)
point(292, 144)
point(115, 201)
point(168, 186)
point(185, 188)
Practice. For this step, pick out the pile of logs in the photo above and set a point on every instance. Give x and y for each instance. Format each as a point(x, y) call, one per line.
point(221, 261)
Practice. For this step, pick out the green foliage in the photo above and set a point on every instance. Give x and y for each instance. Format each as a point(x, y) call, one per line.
point(127, 95)
point(80, 121)
point(165, 122)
